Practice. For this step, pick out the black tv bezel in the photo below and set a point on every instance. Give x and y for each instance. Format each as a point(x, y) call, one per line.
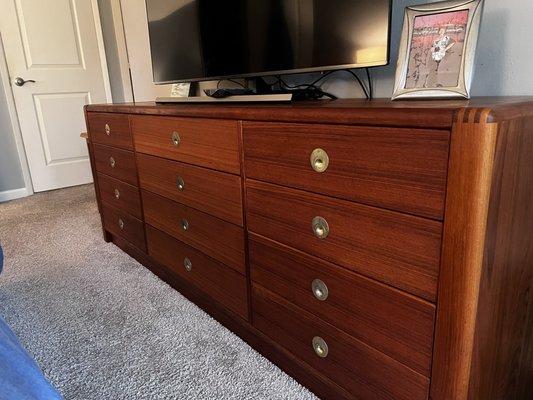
point(280, 72)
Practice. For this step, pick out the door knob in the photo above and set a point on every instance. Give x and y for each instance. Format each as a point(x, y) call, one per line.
point(20, 82)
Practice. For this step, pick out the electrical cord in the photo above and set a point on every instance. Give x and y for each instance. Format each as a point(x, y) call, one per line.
point(370, 88)
point(231, 80)
point(313, 85)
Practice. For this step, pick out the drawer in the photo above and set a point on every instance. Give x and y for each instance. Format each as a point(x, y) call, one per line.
point(120, 194)
point(398, 169)
point(397, 249)
point(215, 279)
point(360, 369)
point(110, 129)
point(119, 164)
point(122, 224)
point(204, 142)
point(215, 237)
point(387, 319)
point(213, 192)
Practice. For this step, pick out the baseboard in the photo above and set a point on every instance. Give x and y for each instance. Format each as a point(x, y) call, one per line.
point(13, 194)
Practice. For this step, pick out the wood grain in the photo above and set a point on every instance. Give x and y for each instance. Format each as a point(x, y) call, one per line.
point(364, 239)
point(205, 142)
point(361, 370)
point(391, 321)
point(124, 168)
point(129, 199)
point(214, 278)
point(213, 192)
point(119, 135)
point(216, 238)
point(132, 230)
point(394, 168)
point(502, 359)
point(303, 373)
point(467, 201)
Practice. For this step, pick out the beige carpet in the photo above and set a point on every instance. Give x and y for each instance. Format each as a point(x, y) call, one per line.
point(101, 326)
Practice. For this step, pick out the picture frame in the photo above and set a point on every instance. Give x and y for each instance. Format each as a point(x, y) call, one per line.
point(437, 49)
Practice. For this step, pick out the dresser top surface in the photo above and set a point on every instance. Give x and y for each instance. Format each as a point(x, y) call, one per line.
point(384, 112)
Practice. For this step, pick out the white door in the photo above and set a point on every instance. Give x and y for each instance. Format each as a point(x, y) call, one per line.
point(58, 45)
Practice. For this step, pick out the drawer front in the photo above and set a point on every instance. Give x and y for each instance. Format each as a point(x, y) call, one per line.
point(119, 164)
point(120, 194)
point(387, 319)
point(204, 142)
point(398, 169)
point(110, 129)
point(397, 249)
point(217, 238)
point(122, 224)
point(222, 283)
point(360, 369)
point(213, 192)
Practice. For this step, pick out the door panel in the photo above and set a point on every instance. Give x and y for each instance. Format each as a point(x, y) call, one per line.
point(40, 42)
point(58, 45)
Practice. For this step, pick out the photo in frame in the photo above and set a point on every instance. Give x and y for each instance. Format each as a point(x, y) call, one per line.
point(437, 48)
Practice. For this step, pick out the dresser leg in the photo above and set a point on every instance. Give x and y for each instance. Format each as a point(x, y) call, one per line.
point(107, 236)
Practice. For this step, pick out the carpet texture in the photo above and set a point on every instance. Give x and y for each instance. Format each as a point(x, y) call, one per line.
point(101, 326)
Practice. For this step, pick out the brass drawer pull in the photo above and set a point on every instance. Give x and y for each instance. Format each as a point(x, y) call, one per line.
point(176, 138)
point(112, 162)
point(107, 129)
point(117, 194)
point(187, 264)
point(184, 224)
point(320, 346)
point(121, 223)
point(320, 227)
point(320, 290)
point(319, 160)
point(180, 183)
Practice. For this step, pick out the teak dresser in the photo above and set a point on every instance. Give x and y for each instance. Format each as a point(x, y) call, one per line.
point(372, 250)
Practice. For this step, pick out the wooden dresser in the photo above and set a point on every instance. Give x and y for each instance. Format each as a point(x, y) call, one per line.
point(372, 250)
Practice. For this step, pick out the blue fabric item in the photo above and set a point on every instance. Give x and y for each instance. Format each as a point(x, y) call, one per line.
point(20, 377)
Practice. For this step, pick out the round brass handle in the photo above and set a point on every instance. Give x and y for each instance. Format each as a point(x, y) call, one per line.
point(187, 264)
point(176, 138)
point(180, 183)
point(320, 227)
point(320, 346)
point(117, 194)
point(112, 162)
point(184, 224)
point(319, 160)
point(320, 290)
point(121, 223)
point(107, 129)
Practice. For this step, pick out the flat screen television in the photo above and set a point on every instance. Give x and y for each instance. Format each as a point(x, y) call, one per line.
point(195, 40)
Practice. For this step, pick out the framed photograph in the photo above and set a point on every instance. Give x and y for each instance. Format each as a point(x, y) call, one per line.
point(437, 48)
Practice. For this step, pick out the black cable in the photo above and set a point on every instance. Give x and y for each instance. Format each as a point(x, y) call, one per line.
point(231, 80)
point(313, 85)
point(360, 83)
point(370, 88)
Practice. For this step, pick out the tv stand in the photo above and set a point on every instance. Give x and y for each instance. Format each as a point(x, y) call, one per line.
point(276, 97)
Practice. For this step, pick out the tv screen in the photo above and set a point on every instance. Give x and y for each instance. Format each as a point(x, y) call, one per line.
point(194, 40)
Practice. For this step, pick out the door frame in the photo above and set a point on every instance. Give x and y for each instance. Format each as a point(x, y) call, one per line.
point(5, 78)
point(27, 190)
